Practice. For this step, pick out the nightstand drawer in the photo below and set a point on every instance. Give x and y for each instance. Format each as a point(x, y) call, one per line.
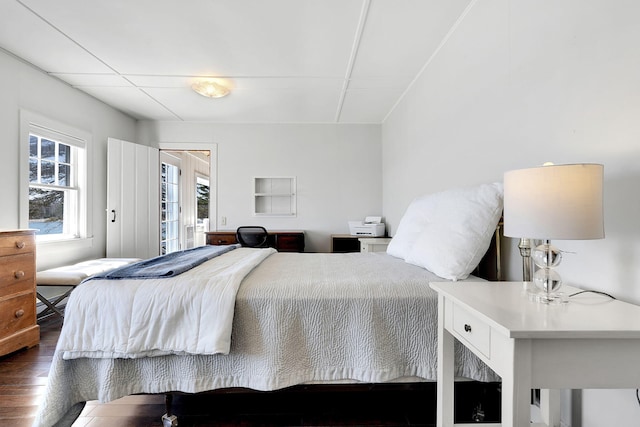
point(473, 331)
point(222, 238)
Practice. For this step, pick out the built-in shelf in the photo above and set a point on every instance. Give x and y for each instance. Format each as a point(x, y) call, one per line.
point(274, 196)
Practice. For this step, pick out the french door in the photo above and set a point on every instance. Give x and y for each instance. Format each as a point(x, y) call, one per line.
point(169, 203)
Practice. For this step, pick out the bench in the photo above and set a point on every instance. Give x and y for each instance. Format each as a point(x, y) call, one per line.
point(71, 276)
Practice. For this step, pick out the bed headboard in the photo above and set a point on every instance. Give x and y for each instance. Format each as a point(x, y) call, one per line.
point(490, 267)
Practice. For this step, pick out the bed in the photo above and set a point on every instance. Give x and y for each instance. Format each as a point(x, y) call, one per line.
point(283, 318)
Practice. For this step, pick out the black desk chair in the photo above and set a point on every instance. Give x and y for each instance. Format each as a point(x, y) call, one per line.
point(252, 236)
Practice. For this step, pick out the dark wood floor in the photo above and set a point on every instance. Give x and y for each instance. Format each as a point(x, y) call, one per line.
point(23, 377)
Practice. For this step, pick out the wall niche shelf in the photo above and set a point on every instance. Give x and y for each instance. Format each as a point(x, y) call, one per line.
point(274, 196)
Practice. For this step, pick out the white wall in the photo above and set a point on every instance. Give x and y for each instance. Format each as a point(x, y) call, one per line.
point(519, 83)
point(337, 170)
point(24, 87)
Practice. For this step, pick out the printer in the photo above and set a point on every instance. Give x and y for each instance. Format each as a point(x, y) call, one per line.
point(372, 226)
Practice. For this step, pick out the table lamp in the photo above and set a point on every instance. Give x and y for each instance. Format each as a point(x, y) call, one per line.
point(553, 202)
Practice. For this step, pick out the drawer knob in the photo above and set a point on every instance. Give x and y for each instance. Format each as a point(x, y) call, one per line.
point(20, 245)
point(19, 274)
point(19, 313)
point(467, 327)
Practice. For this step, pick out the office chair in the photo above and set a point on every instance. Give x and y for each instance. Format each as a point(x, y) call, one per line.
point(252, 236)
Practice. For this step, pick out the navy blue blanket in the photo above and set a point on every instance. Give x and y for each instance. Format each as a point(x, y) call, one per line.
point(168, 265)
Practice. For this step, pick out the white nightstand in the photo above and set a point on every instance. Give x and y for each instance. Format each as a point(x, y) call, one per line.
point(374, 244)
point(590, 342)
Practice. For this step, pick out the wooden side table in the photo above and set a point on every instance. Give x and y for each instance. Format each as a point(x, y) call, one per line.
point(341, 243)
point(590, 342)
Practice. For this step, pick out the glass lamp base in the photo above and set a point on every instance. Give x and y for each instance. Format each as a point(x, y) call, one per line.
point(543, 297)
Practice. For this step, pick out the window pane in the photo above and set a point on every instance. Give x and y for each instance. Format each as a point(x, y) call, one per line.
point(202, 201)
point(172, 246)
point(33, 170)
point(47, 174)
point(172, 230)
point(46, 208)
point(48, 149)
point(174, 212)
point(64, 173)
point(64, 153)
point(33, 146)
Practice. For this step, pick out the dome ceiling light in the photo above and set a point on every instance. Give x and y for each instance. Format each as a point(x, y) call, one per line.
point(210, 88)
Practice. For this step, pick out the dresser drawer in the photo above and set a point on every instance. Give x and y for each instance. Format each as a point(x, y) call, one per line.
point(16, 274)
point(17, 244)
point(473, 331)
point(221, 238)
point(293, 242)
point(17, 313)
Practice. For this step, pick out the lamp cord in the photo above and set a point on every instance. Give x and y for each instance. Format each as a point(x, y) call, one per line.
point(612, 297)
point(595, 292)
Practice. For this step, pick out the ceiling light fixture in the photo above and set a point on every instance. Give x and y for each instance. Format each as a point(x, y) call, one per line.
point(210, 89)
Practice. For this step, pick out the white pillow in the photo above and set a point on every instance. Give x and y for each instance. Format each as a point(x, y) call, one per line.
point(448, 232)
point(410, 226)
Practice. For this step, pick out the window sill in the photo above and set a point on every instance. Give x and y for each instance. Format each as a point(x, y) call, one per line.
point(71, 243)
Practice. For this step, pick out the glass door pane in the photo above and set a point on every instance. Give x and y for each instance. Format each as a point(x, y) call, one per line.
point(170, 208)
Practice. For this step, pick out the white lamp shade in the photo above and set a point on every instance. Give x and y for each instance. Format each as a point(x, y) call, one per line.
point(554, 202)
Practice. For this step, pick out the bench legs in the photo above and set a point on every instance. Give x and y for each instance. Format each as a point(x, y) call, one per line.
point(51, 308)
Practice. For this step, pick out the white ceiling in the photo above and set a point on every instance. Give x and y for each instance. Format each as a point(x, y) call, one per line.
point(287, 61)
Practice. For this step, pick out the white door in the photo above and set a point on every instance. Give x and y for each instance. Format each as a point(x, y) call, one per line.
point(133, 220)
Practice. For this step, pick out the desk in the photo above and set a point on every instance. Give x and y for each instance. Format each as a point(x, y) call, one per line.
point(342, 243)
point(282, 240)
point(591, 342)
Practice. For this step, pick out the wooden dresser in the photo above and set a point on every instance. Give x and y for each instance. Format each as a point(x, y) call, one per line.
point(18, 327)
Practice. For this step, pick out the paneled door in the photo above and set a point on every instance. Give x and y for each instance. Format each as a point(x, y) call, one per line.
point(133, 214)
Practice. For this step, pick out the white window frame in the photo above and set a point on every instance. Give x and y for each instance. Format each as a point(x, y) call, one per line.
point(80, 141)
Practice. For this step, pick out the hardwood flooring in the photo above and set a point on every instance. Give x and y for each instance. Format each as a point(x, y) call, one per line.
point(23, 378)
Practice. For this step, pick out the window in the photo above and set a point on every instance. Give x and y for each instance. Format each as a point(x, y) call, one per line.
point(53, 193)
point(56, 197)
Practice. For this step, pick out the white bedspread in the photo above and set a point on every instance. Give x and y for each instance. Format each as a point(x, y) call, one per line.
point(299, 318)
point(191, 313)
